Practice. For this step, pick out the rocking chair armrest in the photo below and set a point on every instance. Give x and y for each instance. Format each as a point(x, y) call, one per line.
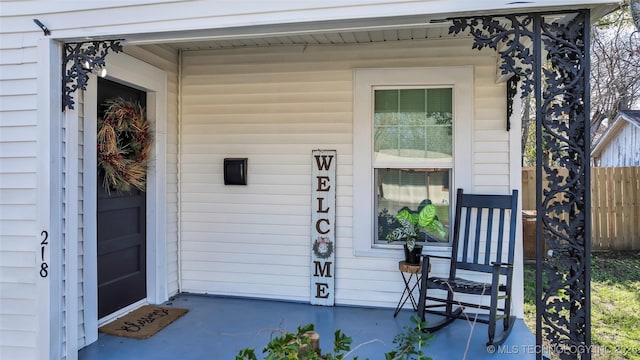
point(426, 263)
point(501, 264)
point(437, 256)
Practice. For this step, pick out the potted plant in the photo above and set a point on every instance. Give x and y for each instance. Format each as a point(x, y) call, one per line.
point(413, 226)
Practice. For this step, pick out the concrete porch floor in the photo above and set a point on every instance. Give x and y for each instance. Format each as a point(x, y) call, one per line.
point(216, 328)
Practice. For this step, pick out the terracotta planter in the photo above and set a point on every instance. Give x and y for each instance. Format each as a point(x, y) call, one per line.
point(413, 256)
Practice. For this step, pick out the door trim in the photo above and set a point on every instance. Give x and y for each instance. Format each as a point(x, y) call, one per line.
point(132, 72)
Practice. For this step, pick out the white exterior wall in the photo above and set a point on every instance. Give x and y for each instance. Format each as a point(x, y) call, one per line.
point(274, 106)
point(19, 212)
point(22, 152)
point(623, 149)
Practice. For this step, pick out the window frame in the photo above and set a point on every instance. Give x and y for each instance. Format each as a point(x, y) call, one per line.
point(460, 79)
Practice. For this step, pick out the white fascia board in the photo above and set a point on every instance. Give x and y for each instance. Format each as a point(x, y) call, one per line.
point(633, 121)
point(609, 135)
point(243, 7)
point(621, 120)
point(139, 20)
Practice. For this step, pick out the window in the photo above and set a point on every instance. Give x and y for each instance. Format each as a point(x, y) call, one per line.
point(411, 188)
point(412, 144)
point(415, 124)
point(412, 155)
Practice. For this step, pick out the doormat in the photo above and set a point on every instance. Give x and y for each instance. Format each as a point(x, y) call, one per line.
point(143, 322)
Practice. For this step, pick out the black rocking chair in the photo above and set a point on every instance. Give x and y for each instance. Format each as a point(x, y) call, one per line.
point(483, 248)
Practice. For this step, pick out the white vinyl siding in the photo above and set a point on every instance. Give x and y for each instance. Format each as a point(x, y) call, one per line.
point(273, 106)
point(81, 215)
point(491, 160)
point(624, 147)
point(254, 240)
point(18, 193)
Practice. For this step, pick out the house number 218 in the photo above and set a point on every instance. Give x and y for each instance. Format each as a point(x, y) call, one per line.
point(44, 267)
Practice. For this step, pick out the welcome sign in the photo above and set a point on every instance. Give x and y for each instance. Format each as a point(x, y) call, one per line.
point(323, 228)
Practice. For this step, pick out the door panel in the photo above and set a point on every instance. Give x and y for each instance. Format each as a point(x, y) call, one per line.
point(121, 220)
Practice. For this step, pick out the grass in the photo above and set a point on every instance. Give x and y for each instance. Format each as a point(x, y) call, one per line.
point(615, 304)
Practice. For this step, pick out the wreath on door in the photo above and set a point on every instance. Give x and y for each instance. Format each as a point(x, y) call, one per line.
point(124, 145)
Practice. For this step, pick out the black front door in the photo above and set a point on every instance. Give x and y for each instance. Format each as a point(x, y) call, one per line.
point(122, 266)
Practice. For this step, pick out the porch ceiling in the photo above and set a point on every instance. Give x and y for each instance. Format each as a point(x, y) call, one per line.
point(425, 31)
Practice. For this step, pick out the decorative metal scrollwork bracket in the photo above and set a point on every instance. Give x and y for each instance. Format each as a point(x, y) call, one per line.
point(79, 60)
point(549, 52)
point(510, 36)
point(512, 91)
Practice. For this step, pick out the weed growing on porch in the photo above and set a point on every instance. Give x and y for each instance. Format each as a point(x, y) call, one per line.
point(293, 346)
point(615, 304)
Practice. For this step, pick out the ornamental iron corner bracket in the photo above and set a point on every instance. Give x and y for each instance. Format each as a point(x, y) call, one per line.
point(512, 91)
point(78, 61)
point(512, 37)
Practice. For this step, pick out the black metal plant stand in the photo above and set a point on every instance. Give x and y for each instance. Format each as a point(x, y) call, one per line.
point(411, 284)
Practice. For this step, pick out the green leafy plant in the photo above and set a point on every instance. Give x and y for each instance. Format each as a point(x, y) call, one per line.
point(414, 224)
point(298, 345)
point(410, 343)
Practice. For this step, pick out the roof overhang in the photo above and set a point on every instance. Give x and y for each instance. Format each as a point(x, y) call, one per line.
point(623, 118)
point(383, 16)
point(147, 22)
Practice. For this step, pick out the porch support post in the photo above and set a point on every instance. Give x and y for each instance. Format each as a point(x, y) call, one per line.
point(549, 52)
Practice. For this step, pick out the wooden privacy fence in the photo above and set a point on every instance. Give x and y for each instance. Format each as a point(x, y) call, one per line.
point(615, 205)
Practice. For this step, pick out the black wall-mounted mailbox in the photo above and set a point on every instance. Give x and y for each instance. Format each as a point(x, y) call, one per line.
point(235, 171)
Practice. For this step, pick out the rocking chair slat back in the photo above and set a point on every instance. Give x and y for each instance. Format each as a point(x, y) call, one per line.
point(484, 257)
point(477, 249)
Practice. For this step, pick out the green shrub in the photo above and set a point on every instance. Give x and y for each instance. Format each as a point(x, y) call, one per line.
point(297, 346)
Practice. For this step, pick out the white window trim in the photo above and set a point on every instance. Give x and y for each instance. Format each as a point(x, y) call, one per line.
point(364, 80)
